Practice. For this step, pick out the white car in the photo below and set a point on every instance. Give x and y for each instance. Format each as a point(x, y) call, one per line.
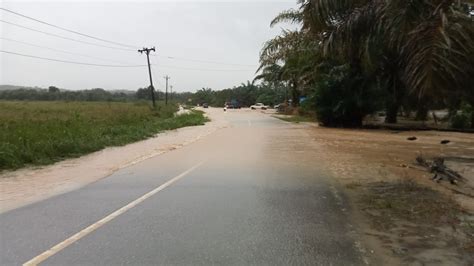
point(260, 106)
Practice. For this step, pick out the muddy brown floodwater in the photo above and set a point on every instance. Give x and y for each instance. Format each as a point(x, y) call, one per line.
point(28, 185)
point(405, 217)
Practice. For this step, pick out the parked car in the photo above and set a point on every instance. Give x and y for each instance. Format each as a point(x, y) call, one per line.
point(260, 106)
point(205, 105)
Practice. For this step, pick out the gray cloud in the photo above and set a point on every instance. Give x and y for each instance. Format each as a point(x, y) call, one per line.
point(224, 31)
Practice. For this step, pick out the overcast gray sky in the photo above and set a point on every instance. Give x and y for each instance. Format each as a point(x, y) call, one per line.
point(222, 31)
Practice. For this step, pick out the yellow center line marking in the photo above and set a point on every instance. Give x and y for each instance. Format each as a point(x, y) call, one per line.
point(91, 228)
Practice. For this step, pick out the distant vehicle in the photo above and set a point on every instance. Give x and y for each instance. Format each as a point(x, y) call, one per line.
point(205, 105)
point(260, 106)
point(230, 105)
point(281, 107)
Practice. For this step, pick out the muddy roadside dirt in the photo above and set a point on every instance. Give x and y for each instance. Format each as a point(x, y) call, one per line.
point(404, 216)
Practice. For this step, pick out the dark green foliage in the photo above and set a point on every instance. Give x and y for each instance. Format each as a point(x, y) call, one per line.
point(342, 98)
point(145, 94)
point(53, 89)
point(267, 98)
point(419, 53)
point(245, 95)
point(55, 94)
point(460, 121)
point(463, 118)
point(204, 95)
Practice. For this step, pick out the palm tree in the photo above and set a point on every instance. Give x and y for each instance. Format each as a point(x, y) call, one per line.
point(289, 57)
point(423, 48)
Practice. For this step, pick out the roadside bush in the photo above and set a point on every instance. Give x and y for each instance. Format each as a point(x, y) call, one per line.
point(460, 121)
point(266, 99)
point(343, 98)
point(307, 108)
point(463, 118)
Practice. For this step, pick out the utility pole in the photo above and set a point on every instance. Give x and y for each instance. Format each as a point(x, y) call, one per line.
point(171, 92)
point(166, 94)
point(152, 89)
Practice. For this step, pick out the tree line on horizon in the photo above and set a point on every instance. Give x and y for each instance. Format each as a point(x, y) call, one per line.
point(55, 94)
point(245, 94)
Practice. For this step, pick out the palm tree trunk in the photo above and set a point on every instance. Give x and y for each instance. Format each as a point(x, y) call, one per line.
point(393, 105)
point(295, 97)
point(422, 110)
point(392, 112)
point(421, 113)
point(472, 119)
point(472, 112)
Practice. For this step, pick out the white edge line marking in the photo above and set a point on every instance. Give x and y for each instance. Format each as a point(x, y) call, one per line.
point(91, 228)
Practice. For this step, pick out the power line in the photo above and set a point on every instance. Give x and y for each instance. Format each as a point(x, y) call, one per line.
point(206, 69)
point(60, 51)
point(68, 30)
point(65, 38)
point(204, 61)
point(69, 62)
point(125, 49)
point(133, 47)
point(155, 63)
point(104, 65)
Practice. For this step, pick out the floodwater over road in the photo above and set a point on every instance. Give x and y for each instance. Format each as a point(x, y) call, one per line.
point(250, 193)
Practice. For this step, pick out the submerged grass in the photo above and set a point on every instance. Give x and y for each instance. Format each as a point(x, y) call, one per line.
point(415, 220)
point(295, 118)
point(409, 201)
point(38, 133)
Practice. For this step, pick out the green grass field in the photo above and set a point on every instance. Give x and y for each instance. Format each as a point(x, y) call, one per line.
point(38, 133)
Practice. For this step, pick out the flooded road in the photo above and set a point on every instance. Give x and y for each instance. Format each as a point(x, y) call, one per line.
point(250, 193)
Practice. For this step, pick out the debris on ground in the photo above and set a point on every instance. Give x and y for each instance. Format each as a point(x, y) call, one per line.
point(440, 170)
point(412, 138)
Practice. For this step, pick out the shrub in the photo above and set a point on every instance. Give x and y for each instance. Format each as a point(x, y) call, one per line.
point(460, 121)
point(462, 118)
point(343, 98)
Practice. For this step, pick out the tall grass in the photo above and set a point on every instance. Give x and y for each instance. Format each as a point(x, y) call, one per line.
point(37, 133)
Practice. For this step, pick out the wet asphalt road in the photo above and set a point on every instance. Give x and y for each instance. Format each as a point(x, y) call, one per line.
point(258, 198)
